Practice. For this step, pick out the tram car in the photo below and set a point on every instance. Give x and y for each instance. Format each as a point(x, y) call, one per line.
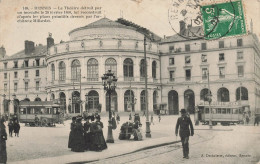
point(223, 114)
point(45, 112)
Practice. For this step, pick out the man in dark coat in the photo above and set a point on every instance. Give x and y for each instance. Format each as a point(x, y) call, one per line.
point(3, 138)
point(184, 122)
point(16, 128)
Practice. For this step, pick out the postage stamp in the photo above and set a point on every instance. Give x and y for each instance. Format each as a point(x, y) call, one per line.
point(223, 20)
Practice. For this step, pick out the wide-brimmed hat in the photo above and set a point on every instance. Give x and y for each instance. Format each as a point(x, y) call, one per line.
point(183, 111)
point(74, 118)
point(97, 116)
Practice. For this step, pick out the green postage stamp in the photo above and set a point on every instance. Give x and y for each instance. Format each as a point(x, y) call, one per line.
point(223, 20)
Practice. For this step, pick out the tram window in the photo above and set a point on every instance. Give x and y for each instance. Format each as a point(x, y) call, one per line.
point(224, 111)
point(23, 111)
point(29, 110)
point(207, 110)
point(219, 111)
point(240, 111)
point(228, 111)
point(213, 110)
point(235, 111)
point(43, 111)
point(37, 111)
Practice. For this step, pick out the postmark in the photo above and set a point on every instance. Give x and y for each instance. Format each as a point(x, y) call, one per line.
point(230, 20)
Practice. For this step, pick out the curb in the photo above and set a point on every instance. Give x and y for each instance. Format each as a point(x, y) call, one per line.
point(216, 129)
point(145, 148)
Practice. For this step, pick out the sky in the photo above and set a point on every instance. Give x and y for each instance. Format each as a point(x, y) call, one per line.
point(151, 14)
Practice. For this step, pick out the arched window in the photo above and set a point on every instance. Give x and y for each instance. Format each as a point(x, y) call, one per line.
point(62, 71)
point(92, 70)
point(63, 102)
point(142, 69)
point(52, 97)
point(223, 95)
point(93, 101)
point(142, 100)
point(37, 99)
point(76, 102)
point(75, 70)
point(128, 69)
point(204, 93)
point(154, 65)
point(244, 93)
point(52, 72)
point(111, 64)
point(26, 99)
point(129, 104)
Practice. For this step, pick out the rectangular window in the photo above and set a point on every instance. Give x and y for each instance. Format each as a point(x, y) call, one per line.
point(171, 49)
point(187, 47)
point(26, 86)
point(5, 65)
point(15, 74)
point(240, 55)
point(171, 61)
point(25, 73)
point(239, 42)
point(172, 75)
point(221, 72)
point(204, 58)
point(37, 85)
point(204, 73)
point(37, 73)
point(15, 64)
point(37, 62)
point(203, 46)
point(15, 87)
point(188, 74)
point(26, 63)
point(5, 87)
point(240, 71)
point(221, 57)
point(5, 75)
point(187, 59)
point(221, 44)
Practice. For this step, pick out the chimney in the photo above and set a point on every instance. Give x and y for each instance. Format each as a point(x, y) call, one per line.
point(28, 46)
point(2, 52)
point(182, 27)
point(50, 41)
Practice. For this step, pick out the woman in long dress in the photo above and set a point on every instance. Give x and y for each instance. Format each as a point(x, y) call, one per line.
point(87, 134)
point(99, 142)
point(72, 129)
point(78, 143)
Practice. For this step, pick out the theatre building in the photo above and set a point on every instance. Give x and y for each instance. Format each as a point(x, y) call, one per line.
point(179, 70)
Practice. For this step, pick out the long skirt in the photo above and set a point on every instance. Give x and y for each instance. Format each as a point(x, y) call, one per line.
point(99, 142)
point(3, 153)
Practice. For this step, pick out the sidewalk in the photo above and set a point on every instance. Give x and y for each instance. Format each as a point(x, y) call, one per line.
point(114, 149)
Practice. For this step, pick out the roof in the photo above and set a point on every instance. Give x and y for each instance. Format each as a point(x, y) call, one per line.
point(38, 51)
point(103, 22)
point(38, 103)
point(189, 34)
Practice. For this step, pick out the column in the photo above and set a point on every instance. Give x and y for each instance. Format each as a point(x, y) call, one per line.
point(149, 70)
point(138, 103)
point(136, 61)
point(68, 71)
point(68, 96)
point(120, 99)
point(102, 99)
point(101, 68)
point(150, 100)
point(56, 66)
point(120, 69)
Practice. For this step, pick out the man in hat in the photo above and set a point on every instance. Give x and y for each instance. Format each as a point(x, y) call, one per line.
point(184, 122)
point(3, 138)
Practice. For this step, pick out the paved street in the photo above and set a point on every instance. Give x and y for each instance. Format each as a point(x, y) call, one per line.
point(208, 147)
point(50, 144)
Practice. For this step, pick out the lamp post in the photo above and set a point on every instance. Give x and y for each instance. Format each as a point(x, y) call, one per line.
point(86, 102)
point(209, 100)
point(109, 83)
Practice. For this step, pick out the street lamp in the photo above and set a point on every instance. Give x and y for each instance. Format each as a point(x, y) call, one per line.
point(109, 83)
point(86, 102)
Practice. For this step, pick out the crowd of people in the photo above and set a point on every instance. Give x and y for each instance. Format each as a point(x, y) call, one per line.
point(88, 136)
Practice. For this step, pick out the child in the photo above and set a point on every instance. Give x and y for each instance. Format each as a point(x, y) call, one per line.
point(11, 128)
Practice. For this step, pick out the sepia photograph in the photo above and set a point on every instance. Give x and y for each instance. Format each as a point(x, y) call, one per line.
point(130, 81)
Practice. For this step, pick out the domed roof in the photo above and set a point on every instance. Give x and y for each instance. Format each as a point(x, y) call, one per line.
point(104, 22)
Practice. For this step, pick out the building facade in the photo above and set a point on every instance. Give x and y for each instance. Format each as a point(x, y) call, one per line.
point(179, 71)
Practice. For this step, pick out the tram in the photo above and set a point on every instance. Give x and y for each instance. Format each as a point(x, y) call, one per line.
point(46, 111)
point(223, 113)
